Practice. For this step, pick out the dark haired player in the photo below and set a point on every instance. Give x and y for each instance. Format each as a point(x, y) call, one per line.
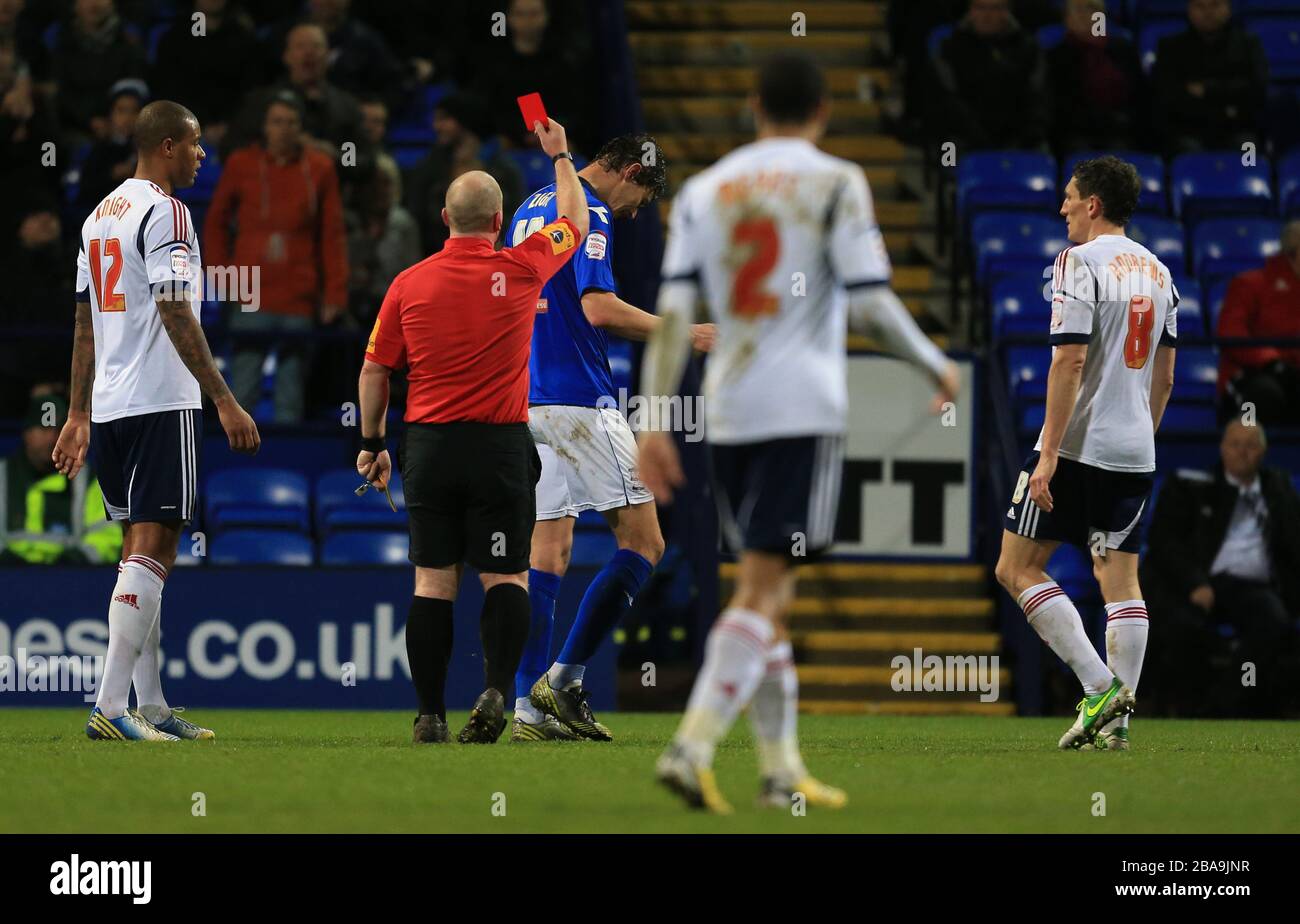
point(587, 449)
point(1113, 333)
point(137, 395)
point(776, 402)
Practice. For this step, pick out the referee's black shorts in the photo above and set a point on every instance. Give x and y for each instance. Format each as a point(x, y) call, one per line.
point(471, 494)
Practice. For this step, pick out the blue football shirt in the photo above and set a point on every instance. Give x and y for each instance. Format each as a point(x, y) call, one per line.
point(570, 357)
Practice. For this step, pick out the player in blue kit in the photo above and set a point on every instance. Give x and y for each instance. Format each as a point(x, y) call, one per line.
point(587, 449)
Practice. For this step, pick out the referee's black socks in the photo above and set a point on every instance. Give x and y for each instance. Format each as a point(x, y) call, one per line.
point(503, 628)
point(428, 648)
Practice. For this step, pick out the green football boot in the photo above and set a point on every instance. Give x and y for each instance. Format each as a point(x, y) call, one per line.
point(1095, 712)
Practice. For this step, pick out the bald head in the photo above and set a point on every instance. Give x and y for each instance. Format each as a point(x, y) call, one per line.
point(1242, 449)
point(473, 202)
point(160, 120)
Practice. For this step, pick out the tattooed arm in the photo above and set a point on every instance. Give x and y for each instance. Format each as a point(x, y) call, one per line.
point(74, 439)
point(187, 336)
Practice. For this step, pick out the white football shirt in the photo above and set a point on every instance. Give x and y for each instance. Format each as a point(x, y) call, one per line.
point(1116, 296)
point(136, 242)
point(774, 234)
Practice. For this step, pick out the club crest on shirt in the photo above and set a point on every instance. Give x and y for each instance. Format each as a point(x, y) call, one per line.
point(180, 262)
point(542, 306)
point(596, 244)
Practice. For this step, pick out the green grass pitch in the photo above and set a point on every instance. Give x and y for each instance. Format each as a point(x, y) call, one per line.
point(280, 771)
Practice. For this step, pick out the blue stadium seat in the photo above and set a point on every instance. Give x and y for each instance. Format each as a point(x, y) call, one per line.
point(537, 168)
point(1163, 237)
point(1023, 245)
point(1223, 247)
point(338, 507)
point(1196, 374)
point(1265, 7)
point(592, 548)
point(1148, 9)
point(1217, 183)
point(185, 551)
point(1214, 296)
point(260, 547)
point(1150, 36)
point(1019, 307)
point(1281, 40)
point(415, 123)
point(936, 37)
point(1191, 308)
point(1032, 417)
point(1051, 36)
point(257, 497)
point(1005, 180)
point(365, 547)
point(408, 155)
point(1150, 168)
point(1071, 567)
point(1288, 184)
point(1027, 371)
point(1183, 417)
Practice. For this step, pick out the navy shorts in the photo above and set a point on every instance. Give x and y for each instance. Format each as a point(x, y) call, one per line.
point(148, 465)
point(779, 496)
point(1086, 501)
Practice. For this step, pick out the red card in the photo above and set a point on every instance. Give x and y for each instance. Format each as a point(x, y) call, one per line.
point(533, 110)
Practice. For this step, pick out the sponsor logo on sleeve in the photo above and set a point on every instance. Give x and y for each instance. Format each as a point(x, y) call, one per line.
point(596, 244)
point(180, 262)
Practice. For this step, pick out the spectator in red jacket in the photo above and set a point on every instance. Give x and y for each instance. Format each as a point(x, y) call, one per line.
point(282, 196)
point(1265, 303)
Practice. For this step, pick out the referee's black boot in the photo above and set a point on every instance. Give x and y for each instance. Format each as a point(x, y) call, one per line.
point(486, 720)
point(430, 729)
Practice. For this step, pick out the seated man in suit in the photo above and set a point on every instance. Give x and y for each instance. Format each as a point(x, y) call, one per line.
point(1222, 576)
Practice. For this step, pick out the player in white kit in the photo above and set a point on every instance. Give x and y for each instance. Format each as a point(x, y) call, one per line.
point(139, 364)
point(1113, 334)
point(780, 240)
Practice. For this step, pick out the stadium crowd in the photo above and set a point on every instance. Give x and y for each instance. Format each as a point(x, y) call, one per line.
point(332, 131)
point(1204, 97)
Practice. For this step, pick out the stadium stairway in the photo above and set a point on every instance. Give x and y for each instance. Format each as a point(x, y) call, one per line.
point(694, 63)
point(850, 620)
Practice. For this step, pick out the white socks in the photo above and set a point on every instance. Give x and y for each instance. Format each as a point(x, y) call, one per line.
point(1126, 644)
point(524, 709)
point(734, 659)
point(131, 613)
point(563, 676)
point(1057, 623)
point(147, 676)
point(774, 716)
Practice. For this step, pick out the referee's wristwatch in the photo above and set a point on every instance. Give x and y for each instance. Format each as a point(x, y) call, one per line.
point(557, 157)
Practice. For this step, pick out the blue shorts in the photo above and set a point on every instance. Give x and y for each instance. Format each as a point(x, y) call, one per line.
point(779, 496)
point(148, 465)
point(1086, 501)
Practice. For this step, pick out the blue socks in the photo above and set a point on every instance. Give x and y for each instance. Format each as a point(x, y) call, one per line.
point(542, 590)
point(606, 600)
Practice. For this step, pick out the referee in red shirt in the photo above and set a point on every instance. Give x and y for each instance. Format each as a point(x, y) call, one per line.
point(461, 322)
